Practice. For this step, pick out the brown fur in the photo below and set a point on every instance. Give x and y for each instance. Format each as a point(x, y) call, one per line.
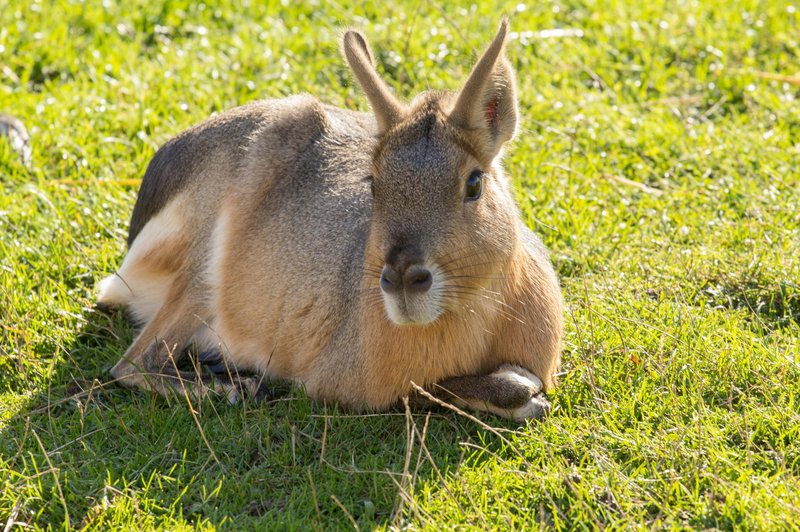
point(255, 233)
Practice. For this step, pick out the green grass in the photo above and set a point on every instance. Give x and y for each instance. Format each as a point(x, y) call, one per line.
point(679, 403)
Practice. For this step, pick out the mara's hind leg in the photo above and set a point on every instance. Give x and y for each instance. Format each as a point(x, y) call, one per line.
point(151, 362)
point(510, 391)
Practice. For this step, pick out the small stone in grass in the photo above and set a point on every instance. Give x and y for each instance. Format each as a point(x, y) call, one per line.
point(18, 137)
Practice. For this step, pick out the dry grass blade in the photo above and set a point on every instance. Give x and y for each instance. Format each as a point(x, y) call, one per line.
point(346, 512)
point(791, 80)
point(472, 418)
point(634, 184)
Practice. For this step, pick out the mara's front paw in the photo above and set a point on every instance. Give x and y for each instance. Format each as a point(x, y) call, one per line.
point(524, 384)
point(518, 379)
point(537, 407)
point(510, 391)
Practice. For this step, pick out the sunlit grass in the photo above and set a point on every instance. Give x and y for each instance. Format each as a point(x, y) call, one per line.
point(657, 158)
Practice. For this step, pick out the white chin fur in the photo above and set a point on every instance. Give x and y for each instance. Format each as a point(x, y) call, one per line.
point(419, 309)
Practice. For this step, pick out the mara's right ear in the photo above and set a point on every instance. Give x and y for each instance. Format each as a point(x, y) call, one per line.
point(488, 101)
point(388, 111)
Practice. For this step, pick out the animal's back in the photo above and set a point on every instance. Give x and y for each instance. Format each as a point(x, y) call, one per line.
point(311, 152)
point(203, 158)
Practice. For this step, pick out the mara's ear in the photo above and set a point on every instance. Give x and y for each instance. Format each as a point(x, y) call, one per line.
point(388, 111)
point(488, 101)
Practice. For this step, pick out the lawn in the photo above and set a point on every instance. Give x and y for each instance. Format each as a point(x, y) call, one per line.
point(657, 158)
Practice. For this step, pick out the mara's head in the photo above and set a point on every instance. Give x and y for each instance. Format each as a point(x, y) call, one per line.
point(444, 222)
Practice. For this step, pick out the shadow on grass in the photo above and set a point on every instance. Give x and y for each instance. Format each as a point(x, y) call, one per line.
point(88, 452)
point(773, 305)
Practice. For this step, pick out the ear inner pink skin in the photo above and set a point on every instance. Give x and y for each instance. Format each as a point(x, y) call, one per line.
point(491, 114)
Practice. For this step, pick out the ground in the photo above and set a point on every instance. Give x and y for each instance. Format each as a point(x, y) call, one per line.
point(657, 158)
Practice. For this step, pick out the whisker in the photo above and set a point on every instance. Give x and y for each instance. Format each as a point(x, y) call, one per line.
point(456, 255)
point(474, 287)
point(461, 267)
point(511, 312)
point(501, 312)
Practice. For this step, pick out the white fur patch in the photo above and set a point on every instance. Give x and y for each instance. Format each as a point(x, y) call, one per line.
point(417, 309)
point(134, 285)
point(535, 408)
point(113, 291)
point(520, 375)
point(210, 336)
point(219, 242)
point(206, 339)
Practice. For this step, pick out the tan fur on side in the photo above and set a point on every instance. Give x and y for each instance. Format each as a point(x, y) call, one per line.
point(353, 253)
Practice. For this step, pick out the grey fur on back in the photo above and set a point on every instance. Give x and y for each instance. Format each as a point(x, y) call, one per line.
point(220, 140)
point(176, 164)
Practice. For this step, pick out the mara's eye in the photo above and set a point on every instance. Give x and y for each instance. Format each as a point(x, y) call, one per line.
point(371, 180)
point(474, 186)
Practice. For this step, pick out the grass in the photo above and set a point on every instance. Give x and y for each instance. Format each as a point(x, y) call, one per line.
point(658, 160)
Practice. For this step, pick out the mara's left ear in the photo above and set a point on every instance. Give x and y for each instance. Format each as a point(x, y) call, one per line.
point(488, 101)
point(388, 110)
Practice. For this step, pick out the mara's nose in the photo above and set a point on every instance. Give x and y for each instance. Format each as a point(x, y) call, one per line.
point(417, 279)
point(413, 278)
